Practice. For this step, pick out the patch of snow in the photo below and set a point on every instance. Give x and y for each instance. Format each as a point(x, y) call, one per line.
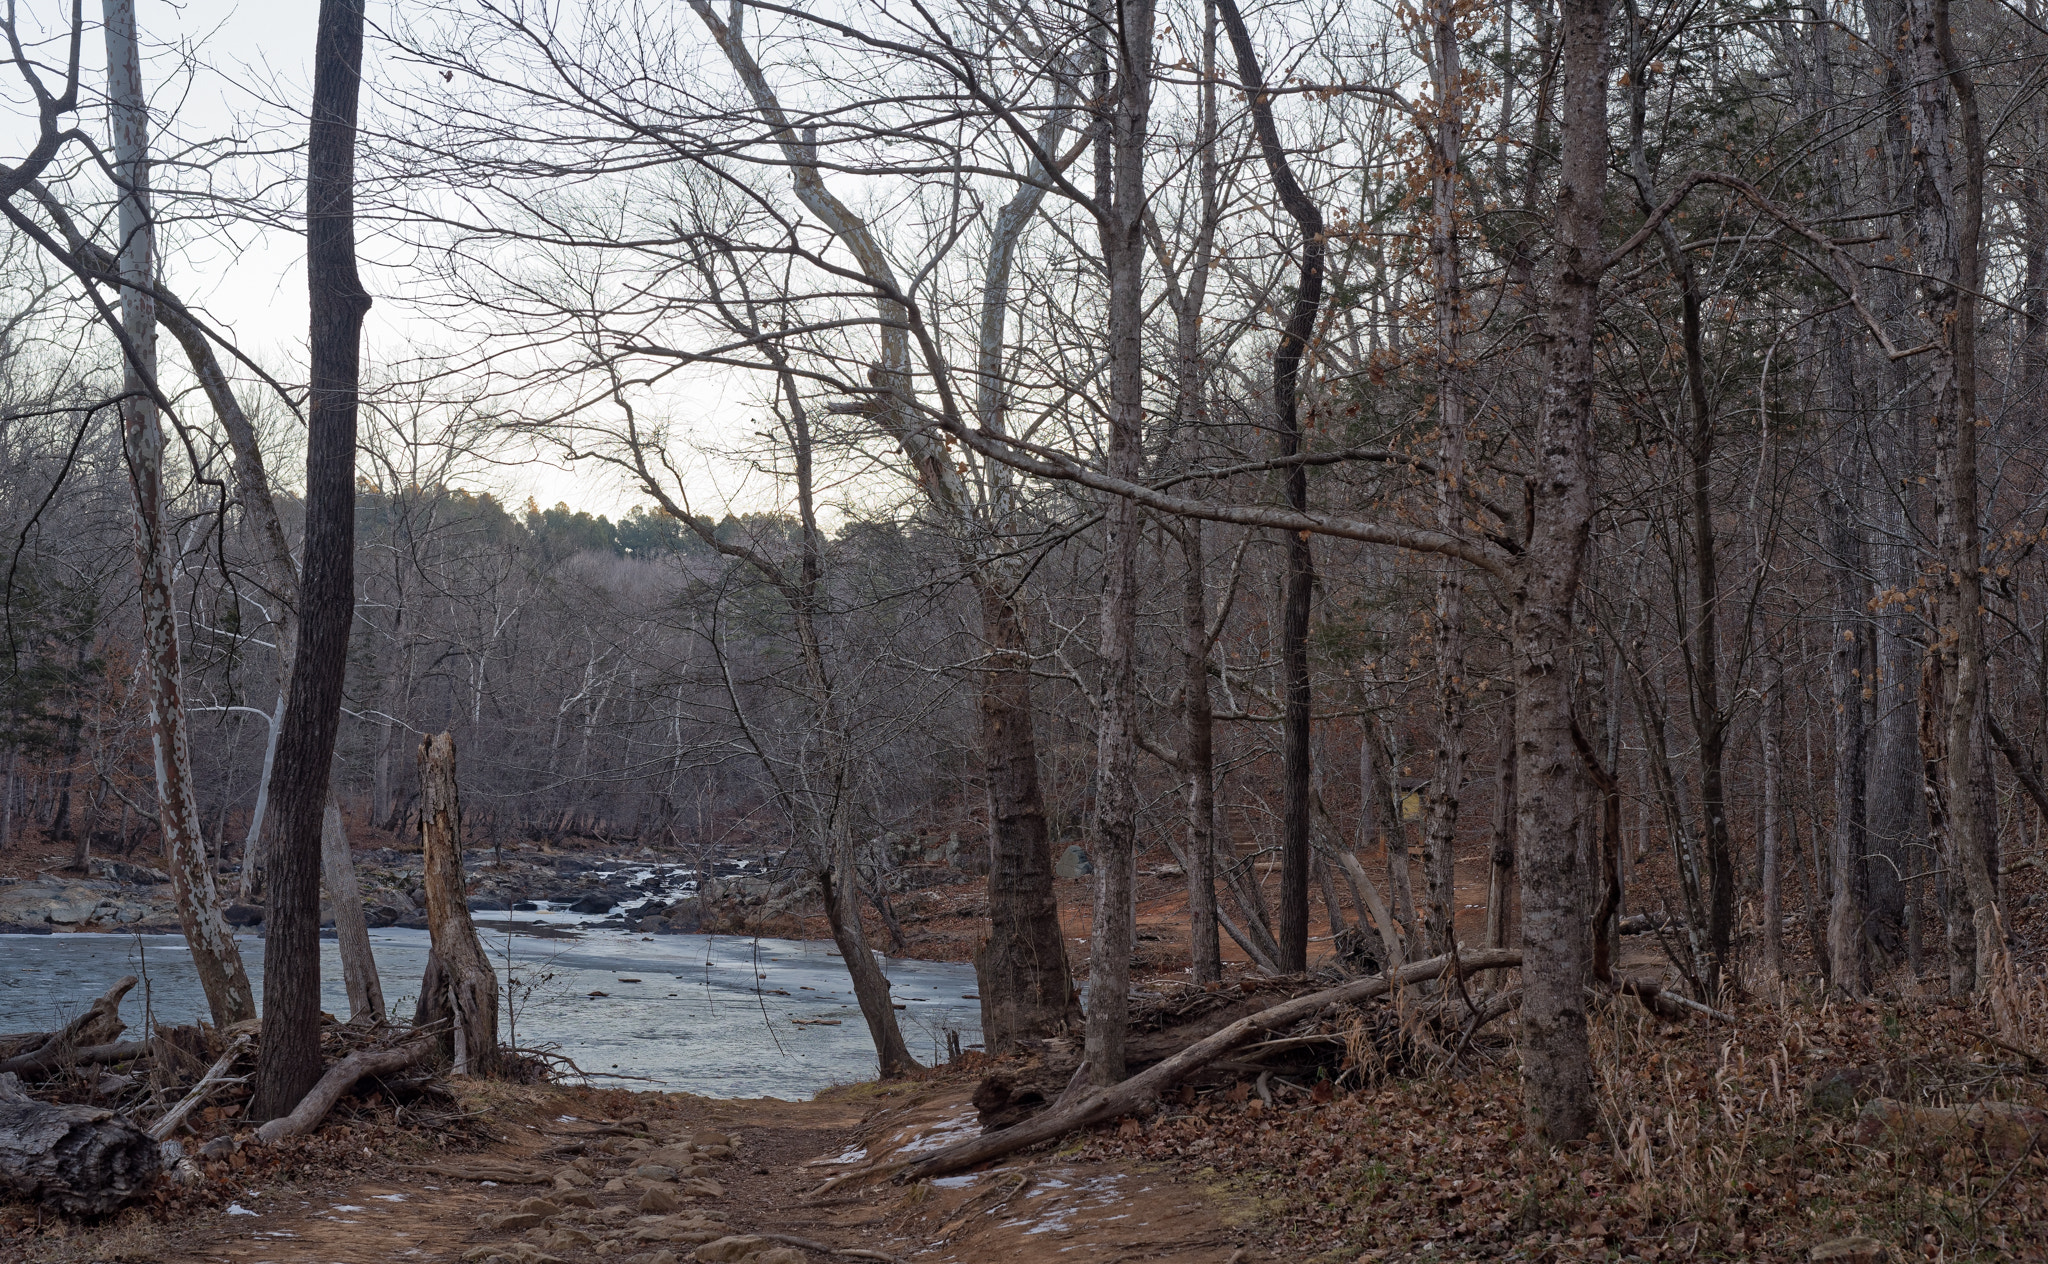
point(945, 1134)
point(957, 1182)
point(237, 1209)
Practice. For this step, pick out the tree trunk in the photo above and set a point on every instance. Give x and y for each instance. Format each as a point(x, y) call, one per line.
point(77, 1160)
point(870, 986)
point(1120, 215)
point(289, 1063)
point(1556, 1063)
point(1771, 721)
point(214, 954)
point(1379, 779)
point(1027, 991)
point(351, 928)
point(460, 984)
point(1021, 968)
point(251, 884)
point(1847, 668)
point(1949, 212)
point(1288, 354)
point(1500, 884)
point(1204, 949)
point(1440, 827)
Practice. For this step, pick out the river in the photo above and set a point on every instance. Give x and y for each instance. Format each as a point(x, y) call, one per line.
point(696, 1013)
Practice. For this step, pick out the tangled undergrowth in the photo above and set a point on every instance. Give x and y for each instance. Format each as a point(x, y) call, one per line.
point(1751, 1141)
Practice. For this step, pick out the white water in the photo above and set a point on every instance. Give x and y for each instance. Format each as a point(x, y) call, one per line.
point(705, 1015)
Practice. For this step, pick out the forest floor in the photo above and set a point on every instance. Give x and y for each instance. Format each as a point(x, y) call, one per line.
point(1750, 1140)
point(367, 1190)
point(1717, 1142)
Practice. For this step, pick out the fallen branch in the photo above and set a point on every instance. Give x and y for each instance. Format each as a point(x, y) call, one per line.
point(1121, 1099)
point(1652, 996)
point(486, 1170)
point(35, 1065)
point(215, 1077)
point(97, 1026)
point(340, 1079)
point(855, 1252)
point(2022, 761)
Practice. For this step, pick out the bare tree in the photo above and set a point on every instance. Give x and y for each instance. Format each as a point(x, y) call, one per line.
point(290, 1062)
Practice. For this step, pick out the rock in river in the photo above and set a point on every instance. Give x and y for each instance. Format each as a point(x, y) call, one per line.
point(82, 904)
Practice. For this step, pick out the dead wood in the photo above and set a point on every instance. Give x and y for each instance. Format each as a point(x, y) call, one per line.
point(215, 1077)
point(460, 984)
point(47, 1061)
point(853, 1252)
point(37, 1053)
point(81, 1160)
point(1160, 1027)
point(340, 1078)
point(2006, 1131)
point(1124, 1097)
point(1665, 1003)
point(487, 1170)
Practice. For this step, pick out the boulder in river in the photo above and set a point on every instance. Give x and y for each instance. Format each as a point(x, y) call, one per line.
point(239, 914)
point(595, 902)
point(78, 904)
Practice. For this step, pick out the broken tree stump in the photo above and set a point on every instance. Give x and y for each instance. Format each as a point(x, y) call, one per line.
point(80, 1160)
point(460, 988)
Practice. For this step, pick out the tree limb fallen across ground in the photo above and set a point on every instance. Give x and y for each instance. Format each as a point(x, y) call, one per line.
point(1121, 1099)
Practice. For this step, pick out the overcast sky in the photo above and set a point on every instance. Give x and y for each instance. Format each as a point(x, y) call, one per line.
point(215, 68)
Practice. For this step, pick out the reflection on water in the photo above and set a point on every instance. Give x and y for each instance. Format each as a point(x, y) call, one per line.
point(705, 1014)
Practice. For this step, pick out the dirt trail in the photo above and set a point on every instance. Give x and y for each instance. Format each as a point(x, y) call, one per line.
point(1047, 1208)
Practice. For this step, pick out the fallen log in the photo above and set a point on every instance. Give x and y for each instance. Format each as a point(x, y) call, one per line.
point(38, 1052)
point(1005, 1097)
point(2006, 1131)
point(487, 1170)
point(1665, 1003)
point(44, 1062)
point(80, 1160)
point(340, 1078)
point(1101, 1104)
point(851, 1252)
